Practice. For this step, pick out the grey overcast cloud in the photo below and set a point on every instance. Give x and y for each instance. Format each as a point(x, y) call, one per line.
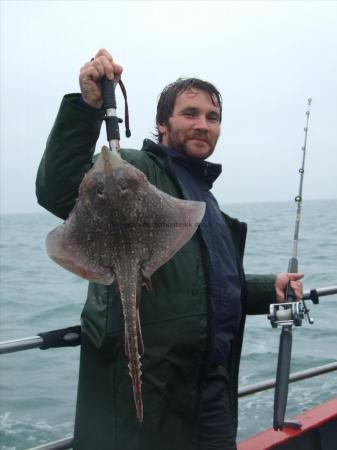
point(266, 58)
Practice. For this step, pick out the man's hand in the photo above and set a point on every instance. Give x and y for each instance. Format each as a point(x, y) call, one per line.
point(91, 74)
point(282, 281)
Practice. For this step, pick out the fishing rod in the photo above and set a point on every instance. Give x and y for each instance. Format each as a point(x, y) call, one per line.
point(289, 313)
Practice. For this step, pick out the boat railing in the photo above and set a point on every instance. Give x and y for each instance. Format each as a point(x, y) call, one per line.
point(66, 337)
point(72, 336)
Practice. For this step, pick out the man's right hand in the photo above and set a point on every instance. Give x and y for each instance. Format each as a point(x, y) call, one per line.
point(91, 74)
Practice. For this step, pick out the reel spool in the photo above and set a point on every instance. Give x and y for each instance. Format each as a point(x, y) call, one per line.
point(288, 313)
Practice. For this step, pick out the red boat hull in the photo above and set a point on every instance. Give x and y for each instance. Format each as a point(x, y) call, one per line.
point(318, 432)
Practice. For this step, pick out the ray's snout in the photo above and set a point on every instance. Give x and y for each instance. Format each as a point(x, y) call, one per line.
point(107, 161)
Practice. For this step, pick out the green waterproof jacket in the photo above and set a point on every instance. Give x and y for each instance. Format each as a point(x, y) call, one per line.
point(175, 315)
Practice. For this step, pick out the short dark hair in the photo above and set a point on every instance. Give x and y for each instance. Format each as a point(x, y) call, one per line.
point(169, 94)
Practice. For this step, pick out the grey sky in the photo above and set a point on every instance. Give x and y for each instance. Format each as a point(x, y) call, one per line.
point(265, 57)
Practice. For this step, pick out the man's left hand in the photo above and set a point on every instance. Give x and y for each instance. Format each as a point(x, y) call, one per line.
point(282, 281)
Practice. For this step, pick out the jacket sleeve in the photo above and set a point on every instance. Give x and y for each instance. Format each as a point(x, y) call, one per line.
point(260, 290)
point(68, 156)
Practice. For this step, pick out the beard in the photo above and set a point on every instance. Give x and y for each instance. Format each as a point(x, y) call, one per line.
point(181, 142)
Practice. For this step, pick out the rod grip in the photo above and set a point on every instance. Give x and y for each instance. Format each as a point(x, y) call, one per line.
point(282, 377)
point(109, 105)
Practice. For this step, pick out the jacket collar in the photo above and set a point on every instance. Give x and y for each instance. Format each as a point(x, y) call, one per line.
point(205, 170)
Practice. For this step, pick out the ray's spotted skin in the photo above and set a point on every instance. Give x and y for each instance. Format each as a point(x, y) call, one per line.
point(122, 229)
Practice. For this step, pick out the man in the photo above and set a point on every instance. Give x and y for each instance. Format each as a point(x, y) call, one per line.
point(193, 319)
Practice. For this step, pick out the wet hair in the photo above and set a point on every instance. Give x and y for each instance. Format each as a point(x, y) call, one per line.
point(169, 94)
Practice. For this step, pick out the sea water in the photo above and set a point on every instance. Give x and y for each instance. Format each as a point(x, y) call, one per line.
point(38, 388)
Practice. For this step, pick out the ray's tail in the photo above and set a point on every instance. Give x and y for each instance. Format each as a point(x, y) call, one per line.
point(135, 373)
point(134, 348)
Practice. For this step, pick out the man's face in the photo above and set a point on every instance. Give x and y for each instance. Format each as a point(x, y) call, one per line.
point(194, 125)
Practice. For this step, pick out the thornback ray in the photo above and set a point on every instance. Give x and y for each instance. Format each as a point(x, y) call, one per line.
point(122, 229)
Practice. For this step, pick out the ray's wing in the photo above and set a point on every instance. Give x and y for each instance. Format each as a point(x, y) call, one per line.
point(69, 254)
point(173, 224)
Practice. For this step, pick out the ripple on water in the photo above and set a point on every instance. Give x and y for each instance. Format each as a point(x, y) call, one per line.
point(18, 433)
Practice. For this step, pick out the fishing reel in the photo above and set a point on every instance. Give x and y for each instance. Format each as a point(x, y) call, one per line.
point(289, 313)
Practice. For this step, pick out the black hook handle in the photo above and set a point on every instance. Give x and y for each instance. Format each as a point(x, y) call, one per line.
point(108, 94)
point(109, 105)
